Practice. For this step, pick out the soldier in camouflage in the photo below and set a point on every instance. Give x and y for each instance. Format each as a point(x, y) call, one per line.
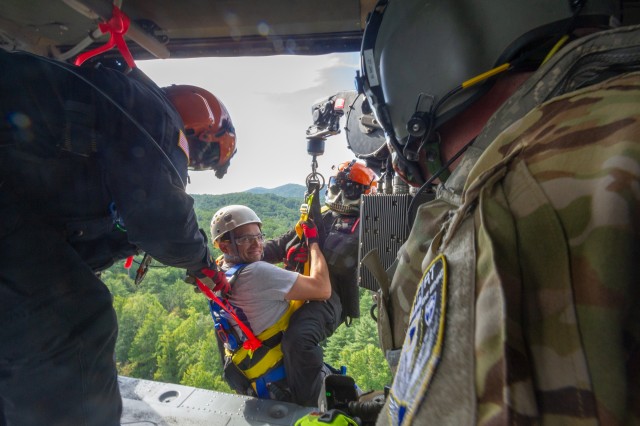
point(515, 299)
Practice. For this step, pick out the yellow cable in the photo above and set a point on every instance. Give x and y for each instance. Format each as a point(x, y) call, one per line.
point(497, 70)
point(555, 48)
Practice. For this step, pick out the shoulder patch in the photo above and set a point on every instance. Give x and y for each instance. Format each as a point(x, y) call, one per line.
point(183, 144)
point(422, 346)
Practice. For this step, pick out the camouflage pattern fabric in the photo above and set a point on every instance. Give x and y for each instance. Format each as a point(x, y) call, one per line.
point(567, 268)
point(552, 208)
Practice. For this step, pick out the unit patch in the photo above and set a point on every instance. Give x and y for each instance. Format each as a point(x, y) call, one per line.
point(422, 345)
point(184, 144)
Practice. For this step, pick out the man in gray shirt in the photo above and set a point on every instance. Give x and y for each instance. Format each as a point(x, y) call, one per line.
point(261, 292)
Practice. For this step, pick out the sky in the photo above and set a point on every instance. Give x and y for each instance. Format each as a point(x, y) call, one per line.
point(269, 100)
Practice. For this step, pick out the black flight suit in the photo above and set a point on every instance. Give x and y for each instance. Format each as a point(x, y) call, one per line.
point(85, 153)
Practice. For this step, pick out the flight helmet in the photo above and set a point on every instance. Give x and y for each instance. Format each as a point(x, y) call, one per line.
point(229, 218)
point(424, 62)
point(208, 128)
point(349, 181)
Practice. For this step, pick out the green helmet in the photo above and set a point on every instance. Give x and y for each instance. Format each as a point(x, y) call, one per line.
point(417, 54)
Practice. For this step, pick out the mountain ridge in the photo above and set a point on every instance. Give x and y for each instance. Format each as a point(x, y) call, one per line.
point(289, 190)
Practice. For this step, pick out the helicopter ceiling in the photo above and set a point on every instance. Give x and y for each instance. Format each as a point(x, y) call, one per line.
point(186, 28)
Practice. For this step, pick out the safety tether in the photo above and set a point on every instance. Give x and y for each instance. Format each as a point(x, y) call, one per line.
point(304, 216)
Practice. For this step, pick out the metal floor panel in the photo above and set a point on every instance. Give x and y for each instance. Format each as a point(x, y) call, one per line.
point(147, 403)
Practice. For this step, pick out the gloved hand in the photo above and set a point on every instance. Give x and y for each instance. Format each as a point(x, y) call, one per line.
point(297, 254)
point(212, 278)
point(310, 231)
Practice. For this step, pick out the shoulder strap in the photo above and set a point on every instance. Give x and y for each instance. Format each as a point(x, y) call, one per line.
point(283, 322)
point(252, 343)
point(233, 272)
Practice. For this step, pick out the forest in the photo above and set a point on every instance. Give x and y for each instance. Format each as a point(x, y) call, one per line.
point(166, 331)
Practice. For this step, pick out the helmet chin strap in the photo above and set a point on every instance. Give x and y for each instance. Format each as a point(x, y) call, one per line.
point(233, 257)
point(444, 168)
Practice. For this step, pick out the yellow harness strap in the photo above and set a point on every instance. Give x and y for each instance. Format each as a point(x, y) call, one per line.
point(273, 356)
point(305, 208)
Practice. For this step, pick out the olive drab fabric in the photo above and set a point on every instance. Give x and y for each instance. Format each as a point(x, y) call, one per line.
point(549, 216)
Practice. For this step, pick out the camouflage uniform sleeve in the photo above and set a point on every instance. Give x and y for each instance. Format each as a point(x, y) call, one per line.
point(554, 306)
point(571, 294)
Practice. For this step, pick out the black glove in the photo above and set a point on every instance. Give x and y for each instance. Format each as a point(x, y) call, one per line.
point(212, 278)
point(310, 231)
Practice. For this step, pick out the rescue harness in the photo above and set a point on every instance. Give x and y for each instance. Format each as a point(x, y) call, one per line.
point(251, 363)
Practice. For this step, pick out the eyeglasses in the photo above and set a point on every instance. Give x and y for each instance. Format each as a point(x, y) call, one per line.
point(244, 240)
point(350, 189)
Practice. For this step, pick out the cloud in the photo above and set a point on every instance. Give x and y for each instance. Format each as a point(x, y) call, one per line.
point(269, 99)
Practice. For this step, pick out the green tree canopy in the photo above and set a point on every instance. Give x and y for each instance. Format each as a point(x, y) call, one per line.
point(166, 331)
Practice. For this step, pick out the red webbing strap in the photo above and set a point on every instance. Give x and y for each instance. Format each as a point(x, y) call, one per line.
point(117, 26)
point(128, 262)
point(355, 224)
point(252, 343)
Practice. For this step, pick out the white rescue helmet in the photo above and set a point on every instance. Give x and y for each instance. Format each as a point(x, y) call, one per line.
point(229, 218)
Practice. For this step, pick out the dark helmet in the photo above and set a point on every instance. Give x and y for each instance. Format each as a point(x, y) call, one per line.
point(349, 181)
point(208, 127)
point(424, 62)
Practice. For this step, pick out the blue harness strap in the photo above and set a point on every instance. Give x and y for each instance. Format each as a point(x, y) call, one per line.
point(273, 375)
point(223, 328)
point(234, 269)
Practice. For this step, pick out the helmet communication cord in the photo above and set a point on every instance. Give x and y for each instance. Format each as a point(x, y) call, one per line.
point(434, 176)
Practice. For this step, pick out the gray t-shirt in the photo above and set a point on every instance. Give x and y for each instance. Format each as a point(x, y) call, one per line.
point(258, 294)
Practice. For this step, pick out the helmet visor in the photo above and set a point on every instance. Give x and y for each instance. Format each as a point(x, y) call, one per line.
point(350, 190)
point(203, 155)
point(221, 169)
